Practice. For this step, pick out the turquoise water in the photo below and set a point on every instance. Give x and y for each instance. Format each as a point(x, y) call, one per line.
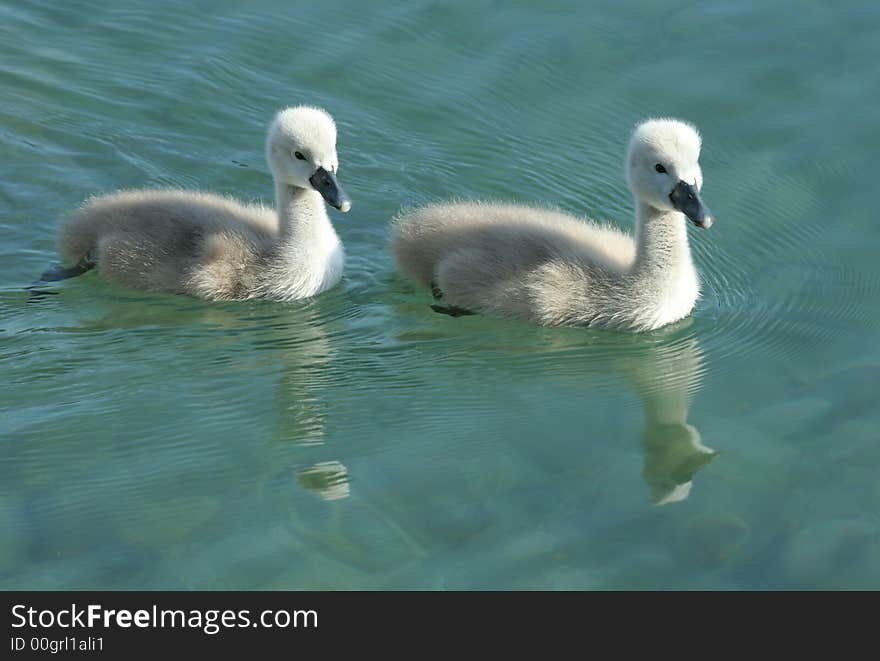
point(358, 440)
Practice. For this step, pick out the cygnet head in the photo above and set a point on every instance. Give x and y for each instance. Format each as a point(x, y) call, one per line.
point(301, 151)
point(663, 168)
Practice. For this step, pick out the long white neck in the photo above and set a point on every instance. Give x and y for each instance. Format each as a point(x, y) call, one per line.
point(662, 249)
point(664, 274)
point(310, 257)
point(302, 217)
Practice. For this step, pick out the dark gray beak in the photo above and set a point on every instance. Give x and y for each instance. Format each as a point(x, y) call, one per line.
point(686, 199)
point(325, 183)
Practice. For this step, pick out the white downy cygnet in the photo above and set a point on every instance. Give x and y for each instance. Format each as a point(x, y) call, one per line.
point(216, 248)
point(551, 268)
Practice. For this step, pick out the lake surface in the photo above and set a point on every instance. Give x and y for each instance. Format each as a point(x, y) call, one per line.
point(359, 440)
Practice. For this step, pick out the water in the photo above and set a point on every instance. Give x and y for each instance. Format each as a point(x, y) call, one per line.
point(359, 440)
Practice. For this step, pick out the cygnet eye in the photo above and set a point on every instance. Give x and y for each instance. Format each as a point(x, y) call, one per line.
point(299, 155)
point(657, 167)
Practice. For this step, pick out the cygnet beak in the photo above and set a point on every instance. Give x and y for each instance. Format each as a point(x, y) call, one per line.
point(686, 199)
point(325, 183)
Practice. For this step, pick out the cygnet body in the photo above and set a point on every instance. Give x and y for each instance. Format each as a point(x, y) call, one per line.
point(214, 247)
point(551, 268)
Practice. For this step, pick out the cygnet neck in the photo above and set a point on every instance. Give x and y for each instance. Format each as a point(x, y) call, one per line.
point(301, 214)
point(661, 241)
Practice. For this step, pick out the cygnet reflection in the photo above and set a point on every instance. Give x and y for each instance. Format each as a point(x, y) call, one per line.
point(666, 377)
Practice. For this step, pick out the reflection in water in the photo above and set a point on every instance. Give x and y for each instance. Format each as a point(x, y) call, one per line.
point(306, 358)
point(328, 479)
point(218, 336)
point(666, 378)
